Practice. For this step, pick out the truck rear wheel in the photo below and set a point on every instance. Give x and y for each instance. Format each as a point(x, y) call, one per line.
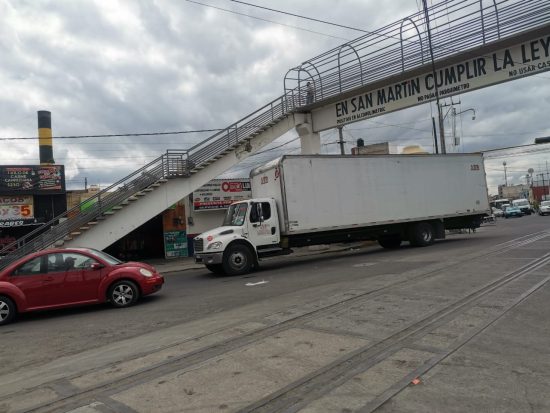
point(421, 234)
point(237, 260)
point(390, 242)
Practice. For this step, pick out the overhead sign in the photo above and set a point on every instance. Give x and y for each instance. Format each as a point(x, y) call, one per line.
point(220, 193)
point(33, 179)
point(16, 211)
point(518, 61)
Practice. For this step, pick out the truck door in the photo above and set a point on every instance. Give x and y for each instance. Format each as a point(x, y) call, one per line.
point(263, 228)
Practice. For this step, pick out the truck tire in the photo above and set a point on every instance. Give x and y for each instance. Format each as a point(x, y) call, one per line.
point(391, 242)
point(421, 234)
point(215, 268)
point(237, 260)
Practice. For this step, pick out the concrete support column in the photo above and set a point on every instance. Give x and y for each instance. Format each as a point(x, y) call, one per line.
point(310, 141)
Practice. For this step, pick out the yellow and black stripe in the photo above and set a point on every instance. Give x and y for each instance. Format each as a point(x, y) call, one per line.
point(45, 137)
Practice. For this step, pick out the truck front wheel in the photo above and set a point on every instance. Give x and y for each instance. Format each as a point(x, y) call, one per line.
point(421, 234)
point(237, 260)
point(391, 242)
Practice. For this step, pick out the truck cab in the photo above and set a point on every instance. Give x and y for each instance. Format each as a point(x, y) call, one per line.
point(250, 230)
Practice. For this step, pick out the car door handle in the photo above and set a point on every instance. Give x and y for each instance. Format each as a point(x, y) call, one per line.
point(48, 279)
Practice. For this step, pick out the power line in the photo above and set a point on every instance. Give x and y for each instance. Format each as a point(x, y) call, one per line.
point(119, 135)
point(302, 17)
point(266, 20)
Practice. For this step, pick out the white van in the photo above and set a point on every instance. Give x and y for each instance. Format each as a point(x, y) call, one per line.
point(524, 205)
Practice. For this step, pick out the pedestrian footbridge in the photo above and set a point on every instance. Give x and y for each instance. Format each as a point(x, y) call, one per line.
point(470, 44)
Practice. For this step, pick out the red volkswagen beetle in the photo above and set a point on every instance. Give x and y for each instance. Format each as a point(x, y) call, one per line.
point(66, 277)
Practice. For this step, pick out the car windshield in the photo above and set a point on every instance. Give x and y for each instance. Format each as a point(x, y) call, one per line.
point(521, 203)
point(235, 214)
point(104, 256)
point(545, 203)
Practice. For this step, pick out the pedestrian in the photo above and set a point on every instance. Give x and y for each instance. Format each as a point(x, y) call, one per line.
point(310, 92)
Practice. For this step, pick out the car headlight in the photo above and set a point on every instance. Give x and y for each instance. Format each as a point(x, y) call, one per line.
point(145, 273)
point(215, 245)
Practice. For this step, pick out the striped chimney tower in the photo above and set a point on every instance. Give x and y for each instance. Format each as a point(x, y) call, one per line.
point(45, 137)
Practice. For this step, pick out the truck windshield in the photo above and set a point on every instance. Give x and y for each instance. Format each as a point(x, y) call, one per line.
point(235, 215)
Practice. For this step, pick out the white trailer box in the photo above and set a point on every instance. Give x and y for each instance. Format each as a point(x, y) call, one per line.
point(327, 192)
point(323, 199)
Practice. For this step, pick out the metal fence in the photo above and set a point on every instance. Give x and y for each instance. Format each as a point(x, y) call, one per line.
point(456, 26)
point(172, 164)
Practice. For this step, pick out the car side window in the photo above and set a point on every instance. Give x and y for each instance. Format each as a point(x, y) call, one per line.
point(55, 262)
point(32, 267)
point(79, 261)
point(63, 261)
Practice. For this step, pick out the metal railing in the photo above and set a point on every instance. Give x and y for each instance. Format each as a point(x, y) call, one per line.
point(172, 164)
point(456, 26)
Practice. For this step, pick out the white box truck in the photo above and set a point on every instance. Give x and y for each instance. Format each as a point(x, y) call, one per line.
point(321, 199)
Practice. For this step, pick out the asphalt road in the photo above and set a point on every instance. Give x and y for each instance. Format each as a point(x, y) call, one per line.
point(193, 295)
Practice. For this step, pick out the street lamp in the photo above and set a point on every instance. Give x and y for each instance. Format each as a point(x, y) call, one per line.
point(466, 110)
point(505, 177)
point(455, 114)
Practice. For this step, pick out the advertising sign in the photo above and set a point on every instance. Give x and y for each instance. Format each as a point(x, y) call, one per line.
point(175, 244)
point(525, 59)
point(16, 211)
point(36, 179)
point(220, 193)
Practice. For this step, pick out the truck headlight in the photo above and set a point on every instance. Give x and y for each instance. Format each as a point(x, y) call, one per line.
point(215, 245)
point(145, 273)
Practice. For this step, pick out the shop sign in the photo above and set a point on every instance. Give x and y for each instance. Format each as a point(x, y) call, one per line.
point(220, 193)
point(16, 211)
point(37, 179)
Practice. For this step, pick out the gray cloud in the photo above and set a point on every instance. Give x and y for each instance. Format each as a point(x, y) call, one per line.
point(165, 65)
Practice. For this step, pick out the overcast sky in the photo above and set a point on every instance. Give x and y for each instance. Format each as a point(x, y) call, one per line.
point(114, 67)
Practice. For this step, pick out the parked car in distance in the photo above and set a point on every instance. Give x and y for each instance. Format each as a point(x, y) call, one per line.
point(497, 212)
point(58, 278)
point(544, 208)
point(512, 211)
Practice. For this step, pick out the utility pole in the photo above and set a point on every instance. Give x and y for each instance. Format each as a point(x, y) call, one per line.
point(341, 140)
point(505, 177)
point(441, 127)
point(435, 135)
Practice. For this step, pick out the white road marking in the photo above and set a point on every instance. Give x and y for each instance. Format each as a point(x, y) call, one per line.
point(258, 283)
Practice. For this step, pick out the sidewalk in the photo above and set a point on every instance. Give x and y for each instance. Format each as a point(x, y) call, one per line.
point(166, 266)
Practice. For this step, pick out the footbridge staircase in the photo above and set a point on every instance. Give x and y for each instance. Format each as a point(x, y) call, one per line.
point(379, 57)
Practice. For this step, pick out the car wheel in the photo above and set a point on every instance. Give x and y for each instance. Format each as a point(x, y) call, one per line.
point(123, 293)
point(7, 310)
point(237, 260)
point(421, 234)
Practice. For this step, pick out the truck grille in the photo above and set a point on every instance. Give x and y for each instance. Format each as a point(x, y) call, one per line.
point(198, 244)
